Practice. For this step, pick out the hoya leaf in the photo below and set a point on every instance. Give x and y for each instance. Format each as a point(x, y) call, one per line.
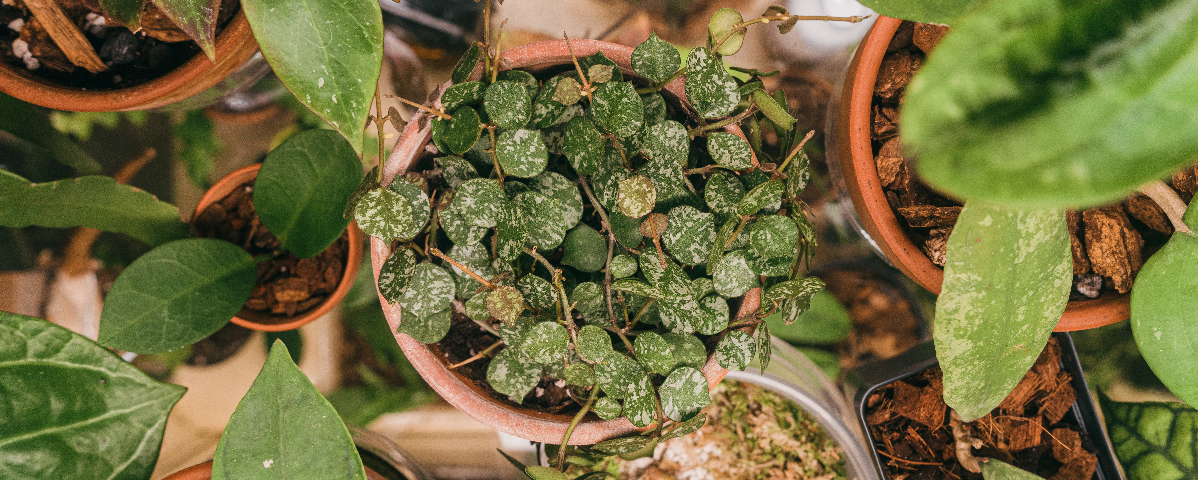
point(617, 109)
point(522, 77)
point(627, 230)
point(606, 408)
point(369, 182)
point(682, 314)
point(175, 295)
point(764, 347)
point(684, 393)
point(430, 291)
point(806, 287)
point(622, 266)
point(430, 329)
point(546, 342)
point(383, 214)
point(636, 196)
point(581, 375)
point(522, 152)
point(462, 95)
point(566, 91)
point(761, 196)
point(622, 446)
point(654, 353)
point(538, 472)
point(511, 374)
point(667, 142)
point(636, 287)
point(607, 178)
point(722, 194)
point(479, 201)
point(702, 286)
point(798, 175)
point(1152, 440)
point(507, 104)
point(770, 266)
point(456, 170)
point(618, 375)
point(688, 349)
point(460, 230)
point(639, 407)
point(709, 87)
point(997, 470)
point(476, 307)
point(74, 406)
point(774, 236)
point(514, 334)
point(1101, 111)
point(1162, 313)
point(557, 186)
point(26, 122)
point(546, 235)
point(588, 297)
point(735, 350)
point(714, 315)
point(467, 64)
point(506, 303)
point(474, 256)
point(655, 59)
point(396, 273)
point(672, 281)
point(537, 291)
point(723, 32)
point(732, 276)
point(328, 54)
point(549, 105)
point(774, 112)
point(585, 249)
point(687, 428)
point(418, 203)
point(593, 343)
point(463, 130)
point(729, 150)
point(583, 145)
point(600, 73)
point(1007, 276)
point(689, 234)
point(197, 19)
point(655, 108)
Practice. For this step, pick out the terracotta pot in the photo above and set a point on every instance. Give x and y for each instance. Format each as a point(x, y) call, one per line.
point(235, 45)
point(203, 471)
point(278, 323)
point(457, 389)
point(855, 161)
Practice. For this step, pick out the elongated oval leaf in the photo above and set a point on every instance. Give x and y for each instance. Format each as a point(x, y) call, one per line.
point(27, 123)
point(418, 203)
point(640, 410)
point(175, 295)
point(463, 130)
point(761, 196)
point(1008, 273)
point(73, 406)
point(1162, 313)
point(606, 408)
point(996, 470)
point(655, 59)
point(328, 54)
point(467, 64)
point(309, 439)
point(396, 273)
point(689, 234)
point(729, 150)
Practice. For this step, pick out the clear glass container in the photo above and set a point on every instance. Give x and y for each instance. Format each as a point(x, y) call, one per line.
point(390, 461)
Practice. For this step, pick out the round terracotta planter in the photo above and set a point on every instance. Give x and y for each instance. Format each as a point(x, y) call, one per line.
point(278, 323)
point(856, 163)
point(203, 471)
point(457, 389)
point(235, 45)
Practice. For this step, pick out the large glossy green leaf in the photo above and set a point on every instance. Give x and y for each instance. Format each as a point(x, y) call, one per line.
point(175, 295)
point(197, 18)
point(27, 123)
point(1152, 440)
point(1008, 273)
point(73, 409)
point(926, 11)
point(283, 428)
point(1038, 104)
point(327, 53)
point(93, 201)
point(302, 189)
point(1162, 312)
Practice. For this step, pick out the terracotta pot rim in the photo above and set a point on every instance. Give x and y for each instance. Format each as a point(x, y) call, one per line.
point(353, 257)
point(464, 394)
point(234, 46)
point(862, 182)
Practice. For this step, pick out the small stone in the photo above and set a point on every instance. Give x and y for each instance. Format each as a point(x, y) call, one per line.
point(20, 48)
point(121, 48)
point(927, 35)
point(16, 25)
point(1089, 285)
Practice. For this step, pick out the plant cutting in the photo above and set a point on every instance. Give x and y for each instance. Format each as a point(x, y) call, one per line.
point(592, 225)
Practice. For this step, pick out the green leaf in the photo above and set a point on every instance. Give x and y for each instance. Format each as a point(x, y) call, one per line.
point(27, 123)
point(581, 375)
point(1012, 110)
point(722, 26)
point(508, 104)
point(618, 375)
point(732, 276)
point(384, 214)
point(1162, 312)
point(196, 18)
point(479, 201)
point(687, 349)
point(476, 307)
point(462, 95)
point(686, 428)
point(636, 196)
point(537, 291)
point(328, 54)
point(682, 314)
point(622, 266)
point(760, 197)
point(1152, 440)
point(622, 446)
point(557, 186)
point(506, 303)
point(764, 347)
point(709, 87)
point(654, 353)
point(511, 374)
point(515, 333)
point(552, 101)
point(522, 152)
point(606, 408)
point(824, 323)
point(667, 142)
point(735, 350)
point(722, 194)
point(655, 108)
point(588, 297)
point(303, 187)
point(176, 295)
point(798, 175)
point(545, 235)
point(1007, 276)
point(806, 287)
point(125, 12)
point(369, 182)
point(537, 472)
point(600, 73)
point(71, 406)
point(640, 410)
point(396, 274)
point(636, 287)
point(585, 249)
point(522, 77)
point(418, 203)
point(729, 150)
point(617, 108)
point(996, 470)
point(774, 112)
point(672, 281)
point(467, 64)
point(593, 343)
point(689, 234)
point(463, 130)
point(583, 145)
point(459, 229)
point(546, 342)
point(655, 59)
point(684, 393)
point(430, 291)
point(309, 437)
point(714, 315)
point(456, 170)
point(774, 236)
point(428, 329)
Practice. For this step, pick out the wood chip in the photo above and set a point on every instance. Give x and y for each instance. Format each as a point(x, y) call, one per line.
point(894, 74)
point(1081, 467)
point(935, 246)
point(902, 38)
point(43, 49)
point(922, 405)
point(1146, 211)
point(1018, 399)
point(1184, 182)
point(66, 35)
point(1065, 445)
point(1060, 399)
point(927, 35)
point(1079, 260)
point(1048, 364)
point(1114, 247)
point(929, 216)
point(1023, 432)
point(889, 162)
point(883, 122)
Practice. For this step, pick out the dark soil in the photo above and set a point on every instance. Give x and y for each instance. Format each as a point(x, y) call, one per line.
point(1109, 244)
point(131, 58)
point(287, 285)
point(912, 431)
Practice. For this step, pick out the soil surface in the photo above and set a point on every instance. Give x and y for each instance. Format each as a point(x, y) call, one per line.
point(913, 430)
point(287, 285)
point(1109, 244)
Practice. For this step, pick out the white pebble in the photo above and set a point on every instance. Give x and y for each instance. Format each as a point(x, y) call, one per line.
point(539, 391)
point(30, 62)
point(20, 48)
point(17, 24)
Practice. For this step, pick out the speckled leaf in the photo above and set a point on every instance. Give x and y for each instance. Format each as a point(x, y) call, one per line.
point(636, 196)
point(430, 291)
point(654, 353)
point(729, 150)
point(997, 470)
point(617, 108)
point(580, 375)
point(508, 104)
point(792, 309)
point(655, 108)
point(456, 170)
point(74, 408)
point(636, 287)
point(514, 334)
point(655, 59)
point(476, 307)
point(735, 350)
point(522, 77)
point(717, 249)
point(474, 256)
point(606, 408)
point(396, 273)
point(701, 287)
point(462, 95)
point(418, 203)
point(369, 182)
point(622, 446)
point(383, 214)
point(557, 186)
point(459, 229)
point(588, 297)
point(537, 291)
point(689, 234)
point(688, 350)
point(686, 428)
point(622, 266)
point(1007, 276)
point(774, 236)
point(764, 346)
point(732, 276)
point(1152, 440)
point(668, 183)
point(682, 314)
point(709, 87)
point(546, 235)
point(684, 393)
point(479, 201)
point(593, 343)
point(607, 178)
point(668, 142)
point(770, 266)
point(721, 26)
point(510, 373)
point(625, 229)
point(618, 375)
point(512, 231)
point(538, 472)
point(565, 91)
point(521, 152)
point(639, 406)
point(672, 281)
point(430, 329)
point(583, 145)
point(506, 303)
point(714, 315)
point(598, 58)
point(798, 175)
point(196, 18)
point(585, 249)
point(463, 130)
point(761, 196)
point(723, 192)
point(806, 287)
point(467, 64)
point(546, 342)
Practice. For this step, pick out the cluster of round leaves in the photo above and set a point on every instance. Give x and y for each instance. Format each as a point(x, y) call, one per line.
point(553, 144)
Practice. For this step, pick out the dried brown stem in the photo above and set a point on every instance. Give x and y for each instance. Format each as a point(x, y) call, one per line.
point(66, 35)
point(484, 281)
point(487, 351)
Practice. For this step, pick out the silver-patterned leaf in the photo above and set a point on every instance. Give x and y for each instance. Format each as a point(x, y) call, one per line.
point(764, 347)
point(476, 307)
point(557, 186)
point(774, 236)
point(689, 234)
point(732, 277)
point(806, 287)
point(593, 343)
point(636, 196)
point(514, 334)
point(511, 374)
point(770, 266)
point(666, 141)
point(686, 428)
point(729, 150)
point(460, 230)
point(709, 88)
point(622, 266)
point(522, 77)
point(722, 193)
point(396, 273)
point(430, 291)
point(715, 315)
point(512, 232)
point(430, 329)
point(684, 393)
point(383, 214)
point(636, 287)
point(600, 73)
point(639, 407)
point(508, 104)
point(619, 375)
point(522, 152)
point(506, 303)
point(671, 281)
point(607, 179)
point(538, 292)
point(479, 201)
point(546, 342)
point(718, 247)
point(655, 59)
point(735, 350)
point(761, 196)
point(547, 106)
point(687, 349)
point(567, 91)
point(456, 170)
point(606, 408)
point(583, 145)
point(581, 375)
point(545, 235)
point(654, 353)
point(418, 203)
point(682, 314)
point(655, 107)
point(588, 297)
point(461, 95)
point(617, 108)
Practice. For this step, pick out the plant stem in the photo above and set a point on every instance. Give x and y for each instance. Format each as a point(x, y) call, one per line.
point(586, 84)
point(566, 318)
point(487, 351)
point(460, 308)
point(1168, 201)
point(642, 311)
point(484, 281)
point(721, 124)
point(795, 150)
point(432, 111)
point(659, 86)
point(495, 159)
point(379, 131)
point(744, 220)
point(562, 449)
point(496, 59)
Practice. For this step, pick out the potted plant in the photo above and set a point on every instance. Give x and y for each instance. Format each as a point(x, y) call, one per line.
point(1009, 261)
point(656, 171)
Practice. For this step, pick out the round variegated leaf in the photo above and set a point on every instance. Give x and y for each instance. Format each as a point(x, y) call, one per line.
point(722, 27)
point(580, 375)
point(462, 95)
point(583, 145)
point(714, 315)
point(460, 230)
point(655, 59)
point(522, 152)
point(625, 229)
point(506, 303)
point(618, 375)
point(522, 77)
point(588, 297)
point(418, 203)
point(689, 234)
point(593, 343)
point(546, 342)
point(476, 307)
point(702, 286)
point(655, 108)
point(514, 334)
point(479, 201)
point(639, 407)
point(672, 281)
point(636, 196)
point(474, 256)
point(456, 170)
point(508, 104)
point(710, 89)
point(622, 266)
point(557, 186)
point(732, 277)
point(430, 291)
point(463, 130)
point(546, 108)
point(383, 214)
point(466, 64)
point(667, 142)
point(607, 178)
point(735, 350)
point(585, 249)
point(512, 374)
point(729, 150)
point(683, 393)
point(723, 192)
point(762, 196)
point(512, 232)
point(606, 408)
point(654, 353)
point(537, 291)
point(681, 314)
point(396, 273)
point(545, 235)
point(428, 329)
point(617, 109)
point(774, 236)
point(687, 349)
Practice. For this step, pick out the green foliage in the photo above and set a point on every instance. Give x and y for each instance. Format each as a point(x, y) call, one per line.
point(996, 470)
point(1152, 440)
point(617, 109)
point(826, 321)
point(709, 86)
point(384, 214)
point(723, 31)
point(197, 135)
point(938, 11)
point(655, 59)
point(27, 123)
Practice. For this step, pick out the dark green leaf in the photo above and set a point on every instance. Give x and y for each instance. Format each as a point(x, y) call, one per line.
point(583, 145)
point(764, 347)
point(714, 315)
point(537, 472)
point(761, 196)
point(617, 108)
point(462, 95)
point(997, 470)
point(557, 186)
point(522, 77)
point(27, 123)
point(622, 266)
point(479, 201)
point(456, 170)
point(125, 12)
point(923, 11)
point(640, 410)
point(636, 287)
point(175, 295)
point(429, 329)
point(1162, 313)
point(806, 287)
point(825, 322)
point(667, 142)
point(622, 446)
point(686, 428)
point(196, 18)
point(396, 273)
point(73, 406)
point(618, 375)
point(773, 236)
point(735, 350)
point(384, 214)
point(521, 152)
point(655, 59)
point(654, 353)
point(463, 130)
point(689, 234)
point(732, 276)
point(546, 235)
point(710, 89)
point(593, 343)
point(546, 342)
point(588, 297)
point(672, 281)
point(598, 58)
point(687, 349)
point(508, 104)
point(684, 393)
point(1152, 440)
point(430, 291)
point(729, 150)
point(774, 112)
point(655, 108)
point(798, 175)
point(511, 374)
point(585, 249)
point(722, 194)
point(418, 203)
point(467, 64)
point(537, 291)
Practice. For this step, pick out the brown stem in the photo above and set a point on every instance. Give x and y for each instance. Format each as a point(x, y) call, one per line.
point(795, 150)
point(379, 131)
point(721, 124)
point(496, 59)
point(487, 351)
point(1169, 202)
point(432, 111)
point(744, 219)
point(586, 84)
point(484, 281)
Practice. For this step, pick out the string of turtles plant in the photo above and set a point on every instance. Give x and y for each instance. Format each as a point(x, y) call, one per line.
point(601, 231)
